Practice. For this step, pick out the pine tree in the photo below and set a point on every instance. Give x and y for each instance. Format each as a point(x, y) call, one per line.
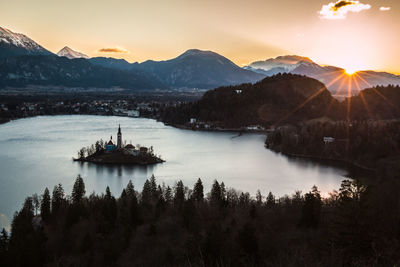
point(57, 198)
point(270, 199)
point(130, 190)
point(4, 239)
point(168, 195)
point(78, 190)
point(108, 195)
point(45, 205)
point(216, 197)
point(223, 192)
point(153, 188)
point(146, 193)
point(36, 202)
point(311, 209)
point(198, 193)
point(259, 197)
point(179, 196)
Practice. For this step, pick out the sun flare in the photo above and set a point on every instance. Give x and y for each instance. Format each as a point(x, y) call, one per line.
point(350, 71)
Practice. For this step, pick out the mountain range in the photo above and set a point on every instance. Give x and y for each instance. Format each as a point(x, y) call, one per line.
point(338, 82)
point(24, 62)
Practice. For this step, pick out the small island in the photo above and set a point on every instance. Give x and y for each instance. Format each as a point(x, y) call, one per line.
point(108, 153)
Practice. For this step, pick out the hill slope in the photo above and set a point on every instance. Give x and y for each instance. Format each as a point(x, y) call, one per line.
point(274, 100)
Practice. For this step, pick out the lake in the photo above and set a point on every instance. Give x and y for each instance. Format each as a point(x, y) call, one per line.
point(37, 153)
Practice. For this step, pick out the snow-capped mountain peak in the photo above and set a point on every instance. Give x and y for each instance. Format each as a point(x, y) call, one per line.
point(69, 53)
point(285, 63)
point(19, 40)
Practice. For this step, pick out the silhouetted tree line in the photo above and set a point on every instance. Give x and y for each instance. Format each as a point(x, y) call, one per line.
point(375, 144)
point(178, 226)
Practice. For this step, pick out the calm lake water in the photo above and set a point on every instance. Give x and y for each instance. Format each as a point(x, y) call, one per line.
point(37, 152)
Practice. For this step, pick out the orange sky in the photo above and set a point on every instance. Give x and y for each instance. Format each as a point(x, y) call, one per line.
point(358, 36)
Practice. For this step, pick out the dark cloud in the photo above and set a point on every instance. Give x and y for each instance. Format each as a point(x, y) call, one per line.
point(112, 50)
point(341, 4)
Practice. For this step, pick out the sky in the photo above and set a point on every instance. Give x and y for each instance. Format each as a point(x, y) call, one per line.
point(355, 35)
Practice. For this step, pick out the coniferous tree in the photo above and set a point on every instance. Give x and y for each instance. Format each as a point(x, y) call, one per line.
point(179, 196)
point(36, 202)
point(216, 197)
point(146, 193)
point(45, 205)
point(168, 195)
point(311, 208)
point(130, 190)
point(223, 192)
point(198, 194)
point(153, 188)
point(259, 197)
point(110, 208)
point(57, 198)
point(108, 195)
point(3, 242)
point(270, 199)
point(78, 190)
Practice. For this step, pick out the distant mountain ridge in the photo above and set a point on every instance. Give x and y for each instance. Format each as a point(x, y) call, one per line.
point(192, 69)
point(60, 71)
point(335, 78)
point(69, 53)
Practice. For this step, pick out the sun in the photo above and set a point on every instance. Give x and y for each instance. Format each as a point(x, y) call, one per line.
point(350, 71)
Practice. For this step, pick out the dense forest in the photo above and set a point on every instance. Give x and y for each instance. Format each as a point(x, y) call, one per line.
point(163, 226)
point(284, 99)
point(372, 144)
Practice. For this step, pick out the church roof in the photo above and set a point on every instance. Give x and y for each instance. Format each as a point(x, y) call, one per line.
point(110, 143)
point(129, 146)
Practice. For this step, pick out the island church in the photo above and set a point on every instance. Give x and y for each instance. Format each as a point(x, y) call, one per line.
point(128, 149)
point(110, 146)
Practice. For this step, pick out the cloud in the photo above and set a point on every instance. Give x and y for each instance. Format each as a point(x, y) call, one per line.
point(113, 50)
point(339, 9)
point(384, 8)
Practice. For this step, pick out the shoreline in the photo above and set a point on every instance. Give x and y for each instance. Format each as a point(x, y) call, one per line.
point(118, 163)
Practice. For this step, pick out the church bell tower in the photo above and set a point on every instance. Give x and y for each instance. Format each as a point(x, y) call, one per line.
point(119, 139)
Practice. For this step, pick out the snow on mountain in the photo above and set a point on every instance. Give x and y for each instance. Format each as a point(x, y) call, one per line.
point(21, 41)
point(69, 53)
point(287, 63)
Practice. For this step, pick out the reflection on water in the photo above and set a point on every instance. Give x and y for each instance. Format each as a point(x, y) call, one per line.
point(37, 153)
point(117, 170)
